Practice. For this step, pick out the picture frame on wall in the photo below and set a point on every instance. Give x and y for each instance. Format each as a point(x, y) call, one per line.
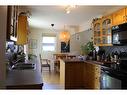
point(77, 37)
point(65, 47)
point(32, 43)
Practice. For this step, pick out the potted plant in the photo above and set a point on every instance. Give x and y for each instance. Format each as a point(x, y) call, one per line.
point(87, 49)
point(31, 56)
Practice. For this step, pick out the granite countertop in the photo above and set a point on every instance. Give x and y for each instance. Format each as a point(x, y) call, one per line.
point(117, 71)
point(17, 78)
point(76, 60)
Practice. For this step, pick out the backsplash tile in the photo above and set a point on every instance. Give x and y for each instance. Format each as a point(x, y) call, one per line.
point(110, 49)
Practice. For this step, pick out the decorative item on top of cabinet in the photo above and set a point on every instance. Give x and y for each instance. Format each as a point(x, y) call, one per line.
point(119, 17)
point(22, 30)
point(12, 23)
point(106, 30)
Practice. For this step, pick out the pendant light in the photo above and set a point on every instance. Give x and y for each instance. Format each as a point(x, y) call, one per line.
point(64, 36)
point(22, 30)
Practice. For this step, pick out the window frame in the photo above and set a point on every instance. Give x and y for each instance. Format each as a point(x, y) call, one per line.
point(49, 44)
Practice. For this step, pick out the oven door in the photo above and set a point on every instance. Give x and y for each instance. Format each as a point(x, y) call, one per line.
point(109, 81)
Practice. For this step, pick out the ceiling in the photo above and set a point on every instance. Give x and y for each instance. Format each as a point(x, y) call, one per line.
point(44, 16)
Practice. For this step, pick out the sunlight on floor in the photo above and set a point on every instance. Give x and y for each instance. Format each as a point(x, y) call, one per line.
point(51, 80)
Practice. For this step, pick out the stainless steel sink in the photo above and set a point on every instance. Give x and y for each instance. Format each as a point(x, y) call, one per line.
point(23, 66)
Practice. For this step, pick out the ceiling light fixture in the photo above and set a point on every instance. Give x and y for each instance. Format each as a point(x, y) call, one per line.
point(69, 8)
point(64, 36)
point(52, 25)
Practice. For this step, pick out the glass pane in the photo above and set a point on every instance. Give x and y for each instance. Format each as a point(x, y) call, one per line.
point(94, 33)
point(97, 26)
point(109, 31)
point(98, 40)
point(106, 40)
point(109, 39)
point(104, 24)
point(48, 39)
point(95, 41)
point(98, 33)
point(104, 32)
point(108, 21)
point(49, 48)
point(48, 43)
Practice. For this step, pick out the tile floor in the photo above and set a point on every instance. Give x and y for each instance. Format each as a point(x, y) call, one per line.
point(51, 80)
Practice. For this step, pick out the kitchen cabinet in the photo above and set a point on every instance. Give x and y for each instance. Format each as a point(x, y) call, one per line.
point(97, 32)
point(119, 17)
point(102, 27)
point(106, 30)
point(126, 14)
point(79, 74)
point(22, 30)
point(93, 76)
point(12, 23)
point(102, 31)
point(72, 74)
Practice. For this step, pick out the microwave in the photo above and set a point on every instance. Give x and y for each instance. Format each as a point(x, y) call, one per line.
point(119, 34)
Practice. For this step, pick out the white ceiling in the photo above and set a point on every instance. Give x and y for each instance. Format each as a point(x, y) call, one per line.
point(44, 16)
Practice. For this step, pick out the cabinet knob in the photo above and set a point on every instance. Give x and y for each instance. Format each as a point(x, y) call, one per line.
point(96, 68)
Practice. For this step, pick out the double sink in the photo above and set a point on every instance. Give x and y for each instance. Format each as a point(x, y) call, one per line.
point(24, 66)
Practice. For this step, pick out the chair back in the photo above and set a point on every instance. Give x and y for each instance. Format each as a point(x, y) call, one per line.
point(40, 58)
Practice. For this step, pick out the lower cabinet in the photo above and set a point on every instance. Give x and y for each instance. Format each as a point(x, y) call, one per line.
point(92, 76)
point(79, 75)
point(72, 74)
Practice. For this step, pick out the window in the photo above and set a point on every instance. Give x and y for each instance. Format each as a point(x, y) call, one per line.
point(48, 43)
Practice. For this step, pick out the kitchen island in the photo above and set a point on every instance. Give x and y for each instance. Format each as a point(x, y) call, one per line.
point(79, 74)
point(25, 79)
point(72, 74)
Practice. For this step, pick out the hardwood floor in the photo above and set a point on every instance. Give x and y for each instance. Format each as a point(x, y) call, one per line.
point(51, 80)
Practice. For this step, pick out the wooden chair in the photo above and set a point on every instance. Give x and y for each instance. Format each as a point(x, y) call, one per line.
point(46, 61)
point(57, 62)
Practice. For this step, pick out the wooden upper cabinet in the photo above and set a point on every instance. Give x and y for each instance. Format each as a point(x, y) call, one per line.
point(102, 31)
point(126, 14)
point(106, 30)
point(119, 17)
point(102, 27)
point(22, 30)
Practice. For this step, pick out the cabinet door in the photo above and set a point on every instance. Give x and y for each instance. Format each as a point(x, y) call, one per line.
point(97, 32)
point(90, 77)
point(93, 76)
point(126, 14)
point(119, 17)
point(106, 30)
point(97, 77)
